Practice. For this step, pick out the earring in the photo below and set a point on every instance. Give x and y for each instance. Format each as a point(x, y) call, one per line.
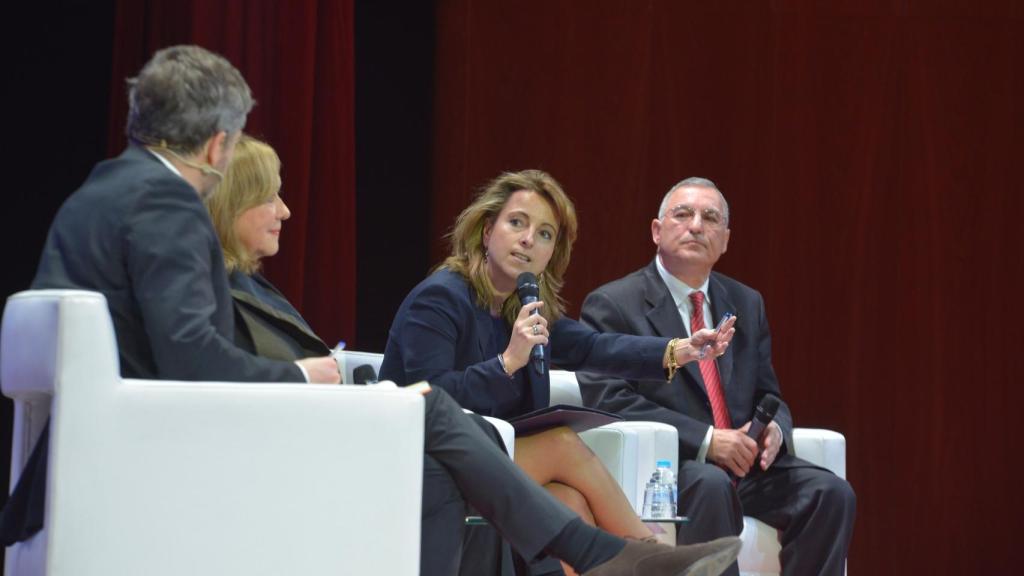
point(485, 255)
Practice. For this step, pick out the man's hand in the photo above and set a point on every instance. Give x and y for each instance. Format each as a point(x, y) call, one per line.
point(771, 443)
point(321, 370)
point(732, 449)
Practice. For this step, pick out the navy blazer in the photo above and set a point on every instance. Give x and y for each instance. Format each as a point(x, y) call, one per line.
point(640, 303)
point(440, 335)
point(139, 234)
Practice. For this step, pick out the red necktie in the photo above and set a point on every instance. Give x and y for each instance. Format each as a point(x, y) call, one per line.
point(708, 367)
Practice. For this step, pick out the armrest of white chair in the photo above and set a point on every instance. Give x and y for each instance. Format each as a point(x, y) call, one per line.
point(506, 431)
point(349, 360)
point(825, 448)
point(31, 329)
point(565, 389)
point(629, 450)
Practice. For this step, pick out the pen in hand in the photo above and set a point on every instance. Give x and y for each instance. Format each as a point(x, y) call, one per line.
point(707, 345)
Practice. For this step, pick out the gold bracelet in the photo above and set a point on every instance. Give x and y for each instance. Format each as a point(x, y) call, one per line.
point(671, 365)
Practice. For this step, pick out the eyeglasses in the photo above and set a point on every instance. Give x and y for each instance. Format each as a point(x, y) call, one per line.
point(684, 214)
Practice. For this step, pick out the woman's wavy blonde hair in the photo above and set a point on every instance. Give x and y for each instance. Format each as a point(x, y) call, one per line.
point(253, 177)
point(467, 255)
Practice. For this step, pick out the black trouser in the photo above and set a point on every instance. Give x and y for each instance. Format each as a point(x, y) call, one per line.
point(524, 513)
point(812, 508)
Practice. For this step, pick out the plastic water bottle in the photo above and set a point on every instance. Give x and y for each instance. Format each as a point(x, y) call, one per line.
point(667, 477)
point(649, 498)
point(663, 492)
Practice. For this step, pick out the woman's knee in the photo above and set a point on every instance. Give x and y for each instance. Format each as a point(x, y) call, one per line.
point(568, 444)
point(572, 498)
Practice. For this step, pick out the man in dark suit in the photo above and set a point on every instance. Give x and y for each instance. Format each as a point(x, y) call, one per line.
point(138, 232)
point(723, 474)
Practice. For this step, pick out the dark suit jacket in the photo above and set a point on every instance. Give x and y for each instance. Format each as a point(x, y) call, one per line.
point(640, 303)
point(440, 335)
point(267, 324)
point(139, 234)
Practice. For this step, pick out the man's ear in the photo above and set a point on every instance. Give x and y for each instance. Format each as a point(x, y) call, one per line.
point(216, 149)
point(656, 231)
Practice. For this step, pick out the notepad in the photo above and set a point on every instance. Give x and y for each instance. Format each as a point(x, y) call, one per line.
point(577, 418)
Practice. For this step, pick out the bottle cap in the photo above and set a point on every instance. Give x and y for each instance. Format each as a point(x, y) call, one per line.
point(664, 464)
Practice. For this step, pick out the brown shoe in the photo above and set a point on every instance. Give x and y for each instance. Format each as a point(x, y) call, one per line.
point(641, 558)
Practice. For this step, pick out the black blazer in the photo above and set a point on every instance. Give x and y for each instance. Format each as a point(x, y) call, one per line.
point(640, 303)
point(139, 234)
point(440, 335)
point(266, 324)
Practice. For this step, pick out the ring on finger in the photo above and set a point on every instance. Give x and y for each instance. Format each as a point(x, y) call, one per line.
point(536, 329)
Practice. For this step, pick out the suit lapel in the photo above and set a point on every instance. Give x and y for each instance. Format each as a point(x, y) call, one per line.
point(484, 328)
point(286, 321)
point(663, 315)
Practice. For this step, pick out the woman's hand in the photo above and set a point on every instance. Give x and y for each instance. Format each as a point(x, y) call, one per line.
point(528, 331)
point(689, 349)
point(321, 369)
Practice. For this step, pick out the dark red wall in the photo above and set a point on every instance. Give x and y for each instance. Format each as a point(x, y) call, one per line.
point(868, 151)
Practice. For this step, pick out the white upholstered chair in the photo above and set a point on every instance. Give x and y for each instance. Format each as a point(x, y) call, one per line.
point(759, 555)
point(170, 478)
point(349, 360)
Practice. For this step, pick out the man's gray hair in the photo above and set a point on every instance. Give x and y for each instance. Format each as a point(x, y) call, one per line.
point(183, 96)
point(694, 181)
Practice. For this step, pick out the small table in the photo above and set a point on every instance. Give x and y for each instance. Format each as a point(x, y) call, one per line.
point(481, 521)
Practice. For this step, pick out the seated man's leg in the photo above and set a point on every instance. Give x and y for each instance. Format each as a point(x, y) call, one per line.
point(813, 509)
point(444, 514)
point(526, 515)
point(483, 550)
point(708, 497)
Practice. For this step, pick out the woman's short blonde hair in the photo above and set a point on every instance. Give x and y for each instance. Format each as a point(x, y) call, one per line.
point(467, 249)
point(253, 177)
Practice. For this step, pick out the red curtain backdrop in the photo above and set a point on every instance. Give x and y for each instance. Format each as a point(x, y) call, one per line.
point(867, 150)
point(298, 59)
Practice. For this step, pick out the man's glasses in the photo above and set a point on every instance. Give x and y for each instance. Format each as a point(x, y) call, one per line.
point(684, 214)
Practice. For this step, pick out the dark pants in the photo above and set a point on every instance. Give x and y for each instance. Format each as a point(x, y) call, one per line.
point(812, 508)
point(470, 465)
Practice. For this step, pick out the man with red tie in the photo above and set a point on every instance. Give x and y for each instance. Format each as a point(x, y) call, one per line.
point(723, 473)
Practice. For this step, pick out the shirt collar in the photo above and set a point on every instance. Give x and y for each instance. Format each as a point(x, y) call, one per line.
point(166, 162)
point(680, 290)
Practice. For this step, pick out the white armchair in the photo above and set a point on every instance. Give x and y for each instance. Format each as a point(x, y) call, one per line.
point(168, 478)
point(759, 555)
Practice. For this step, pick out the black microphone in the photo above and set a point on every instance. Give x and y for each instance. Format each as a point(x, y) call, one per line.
point(763, 416)
point(364, 374)
point(529, 292)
